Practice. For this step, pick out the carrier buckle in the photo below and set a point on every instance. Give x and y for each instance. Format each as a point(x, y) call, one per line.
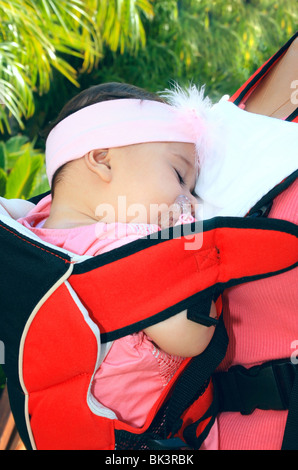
point(266, 387)
point(174, 443)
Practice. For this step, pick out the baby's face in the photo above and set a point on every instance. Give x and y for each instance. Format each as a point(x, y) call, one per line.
point(149, 177)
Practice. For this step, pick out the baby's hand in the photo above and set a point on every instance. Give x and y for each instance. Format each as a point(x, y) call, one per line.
point(180, 336)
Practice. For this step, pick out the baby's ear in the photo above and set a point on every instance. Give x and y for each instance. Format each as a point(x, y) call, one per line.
point(98, 161)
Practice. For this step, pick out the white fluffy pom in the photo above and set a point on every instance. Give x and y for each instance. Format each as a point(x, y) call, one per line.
point(191, 98)
point(209, 128)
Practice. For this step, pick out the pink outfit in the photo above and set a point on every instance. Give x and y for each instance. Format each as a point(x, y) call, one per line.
point(132, 377)
point(134, 372)
point(262, 323)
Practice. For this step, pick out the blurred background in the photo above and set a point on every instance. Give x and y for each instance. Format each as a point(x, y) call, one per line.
point(51, 49)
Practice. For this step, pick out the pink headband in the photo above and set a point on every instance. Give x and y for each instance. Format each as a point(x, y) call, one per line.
point(117, 123)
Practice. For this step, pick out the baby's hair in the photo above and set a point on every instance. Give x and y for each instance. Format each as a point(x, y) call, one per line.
point(93, 95)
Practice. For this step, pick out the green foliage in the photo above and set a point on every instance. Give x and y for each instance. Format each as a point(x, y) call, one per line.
point(50, 48)
point(121, 25)
point(41, 37)
point(219, 43)
point(34, 37)
point(21, 169)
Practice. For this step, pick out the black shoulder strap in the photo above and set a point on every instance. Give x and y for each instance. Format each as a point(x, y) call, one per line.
point(263, 206)
point(290, 439)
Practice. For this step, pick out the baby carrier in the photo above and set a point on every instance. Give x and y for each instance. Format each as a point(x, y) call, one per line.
point(60, 312)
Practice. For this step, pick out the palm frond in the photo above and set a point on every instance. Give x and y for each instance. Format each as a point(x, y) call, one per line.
point(35, 37)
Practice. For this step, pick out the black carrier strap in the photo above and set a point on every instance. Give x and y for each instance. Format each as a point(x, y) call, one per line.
point(191, 382)
point(290, 440)
point(271, 386)
point(267, 387)
point(263, 207)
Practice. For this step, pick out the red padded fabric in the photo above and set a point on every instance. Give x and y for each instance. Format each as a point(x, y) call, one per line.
point(140, 285)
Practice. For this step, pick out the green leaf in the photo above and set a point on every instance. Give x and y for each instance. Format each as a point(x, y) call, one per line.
point(3, 182)
point(36, 165)
point(14, 143)
point(14, 149)
point(21, 179)
point(18, 177)
point(41, 184)
point(3, 155)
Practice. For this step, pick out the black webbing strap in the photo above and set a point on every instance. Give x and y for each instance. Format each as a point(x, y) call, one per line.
point(290, 439)
point(189, 386)
point(269, 386)
point(263, 206)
